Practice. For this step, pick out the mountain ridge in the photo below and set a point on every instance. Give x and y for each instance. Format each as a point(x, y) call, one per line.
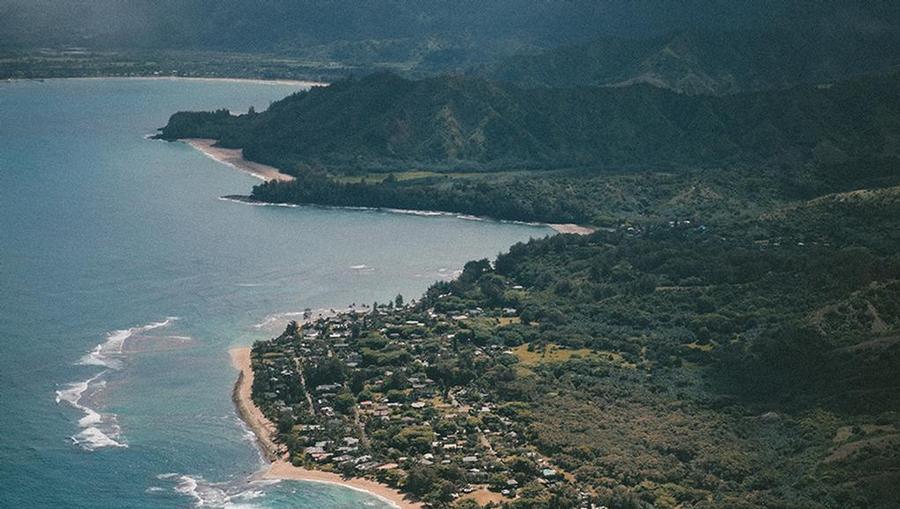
point(383, 122)
point(707, 62)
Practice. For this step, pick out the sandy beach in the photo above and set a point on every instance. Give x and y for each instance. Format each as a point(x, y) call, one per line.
point(233, 157)
point(572, 228)
point(298, 83)
point(280, 468)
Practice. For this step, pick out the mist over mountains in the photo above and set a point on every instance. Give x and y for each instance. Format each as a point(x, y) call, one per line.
point(699, 46)
point(280, 24)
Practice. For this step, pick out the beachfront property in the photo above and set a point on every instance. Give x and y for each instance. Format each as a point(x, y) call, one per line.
point(404, 397)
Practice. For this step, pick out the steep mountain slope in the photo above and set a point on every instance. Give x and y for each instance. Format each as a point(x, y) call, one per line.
point(383, 121)
point(426, 36)
point(707, 62)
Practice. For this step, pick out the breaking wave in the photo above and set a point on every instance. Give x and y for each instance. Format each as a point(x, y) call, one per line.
point(106, 353)
point(205, 494)
point(98, 429)
point(278, 318)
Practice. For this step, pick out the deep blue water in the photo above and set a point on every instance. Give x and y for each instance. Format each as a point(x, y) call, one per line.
point(124, 280)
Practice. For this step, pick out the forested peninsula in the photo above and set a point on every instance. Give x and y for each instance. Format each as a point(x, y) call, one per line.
point(467, 145)
point(452, 123)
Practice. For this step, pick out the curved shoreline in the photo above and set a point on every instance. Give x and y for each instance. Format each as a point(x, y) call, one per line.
point(279, 467)
point(303, 83)
point(557, 227)
point(234, 157)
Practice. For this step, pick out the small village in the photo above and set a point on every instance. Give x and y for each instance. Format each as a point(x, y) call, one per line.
point(397, 395)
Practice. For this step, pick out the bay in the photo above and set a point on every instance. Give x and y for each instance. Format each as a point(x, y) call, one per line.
point(124, 279)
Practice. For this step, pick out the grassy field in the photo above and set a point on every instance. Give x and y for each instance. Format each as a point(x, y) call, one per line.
point(555, 354)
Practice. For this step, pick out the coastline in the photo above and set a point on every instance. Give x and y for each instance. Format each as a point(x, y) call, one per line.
point(302, 83)
point(557, 227)
point(572, 228)
point(234, 158)
point(262, 428)
point(279, 467)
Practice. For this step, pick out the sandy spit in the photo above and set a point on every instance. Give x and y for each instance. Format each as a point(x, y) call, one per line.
point(234, 158)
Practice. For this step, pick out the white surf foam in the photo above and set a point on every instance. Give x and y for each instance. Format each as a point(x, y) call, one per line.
point(259, 203)
point(105, 353)
point(92, 439)
point(101, 430)
point(217, 496)
point(277, 318)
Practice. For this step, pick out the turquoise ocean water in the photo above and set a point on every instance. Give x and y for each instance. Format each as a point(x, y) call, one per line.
point(124, 280)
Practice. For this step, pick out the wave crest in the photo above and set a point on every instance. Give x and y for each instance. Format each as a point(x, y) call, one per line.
point(205, 494)
point(98, 429)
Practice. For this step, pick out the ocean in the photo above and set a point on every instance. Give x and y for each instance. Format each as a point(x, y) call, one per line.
point(124, 280)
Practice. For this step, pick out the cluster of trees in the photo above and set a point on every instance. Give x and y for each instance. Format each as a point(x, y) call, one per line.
point(514, 199)
point(210, 124)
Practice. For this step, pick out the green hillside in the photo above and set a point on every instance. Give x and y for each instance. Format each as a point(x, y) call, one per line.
point(390, 123)
point(708, 62)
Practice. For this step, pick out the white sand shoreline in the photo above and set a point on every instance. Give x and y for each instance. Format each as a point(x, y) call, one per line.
point(572, 228)
point(234, 158)
point(279, 467)
point(260, 81)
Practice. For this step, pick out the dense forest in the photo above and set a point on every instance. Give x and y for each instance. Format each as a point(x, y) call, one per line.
point(703, 46)
point(428, 32)
point(753, 365)
point(746, 362)
point(608, 199)
point(707, 62)
point(457, 123)
point(128, 37)
point(555, 155)
point(728, 337)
